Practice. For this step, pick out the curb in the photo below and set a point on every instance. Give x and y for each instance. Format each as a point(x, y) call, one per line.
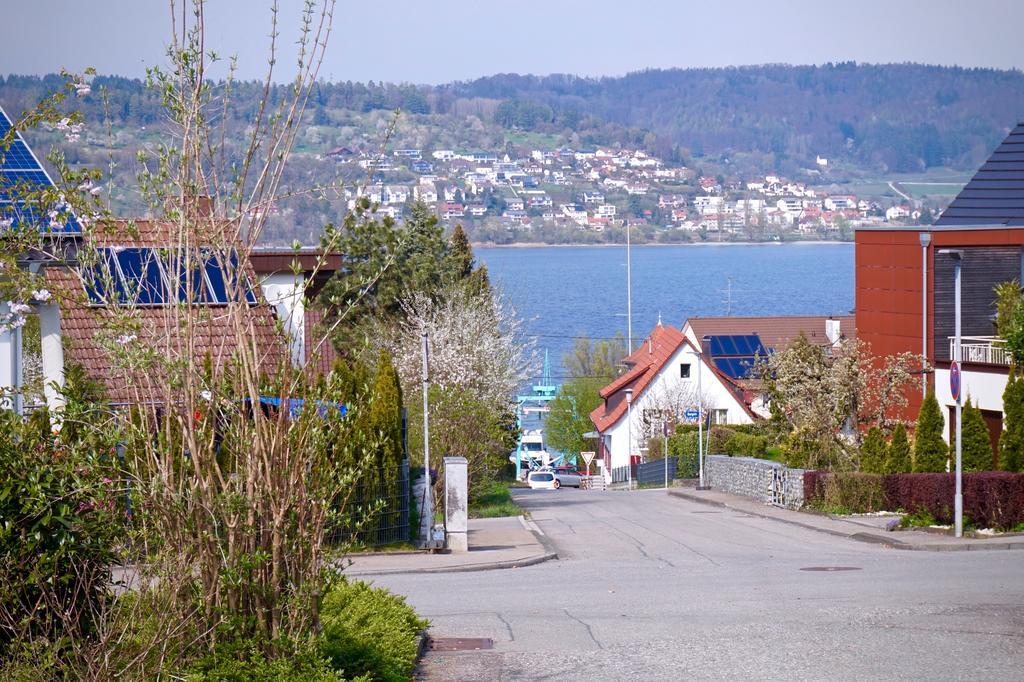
point(870, 538)
point(548, 554)
point(466, 568)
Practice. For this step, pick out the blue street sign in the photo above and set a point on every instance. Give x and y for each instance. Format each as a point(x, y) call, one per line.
point(954, 380)
point(692, 414)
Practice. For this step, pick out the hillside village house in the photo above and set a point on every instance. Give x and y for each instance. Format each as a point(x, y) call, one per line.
point(905, 287)
point(663, 373)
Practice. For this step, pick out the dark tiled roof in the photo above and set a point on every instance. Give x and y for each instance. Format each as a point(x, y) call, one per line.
point(775, 331)
point(995, 195)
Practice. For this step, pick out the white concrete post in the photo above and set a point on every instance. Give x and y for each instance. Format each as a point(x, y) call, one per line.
point(456, 503)
point(10, 364)
point(53, 361)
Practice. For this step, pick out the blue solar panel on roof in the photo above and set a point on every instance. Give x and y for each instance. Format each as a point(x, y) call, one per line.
point(17, 157)
point(732, 345)
point(14, 184)
point(145, 276)
point(20, 171)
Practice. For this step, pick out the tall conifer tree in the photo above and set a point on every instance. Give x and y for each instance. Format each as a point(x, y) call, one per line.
point(976, 448)
point(930, 450)
point(897, 459)
point(873, 452)
point(1011, 442)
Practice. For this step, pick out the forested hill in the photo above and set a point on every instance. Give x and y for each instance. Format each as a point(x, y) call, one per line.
point(888, 118)
point(893, 117)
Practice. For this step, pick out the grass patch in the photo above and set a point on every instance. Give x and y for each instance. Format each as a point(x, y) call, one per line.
point(493, 501)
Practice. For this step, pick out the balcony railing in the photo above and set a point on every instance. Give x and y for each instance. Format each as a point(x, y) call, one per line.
point(988, 350)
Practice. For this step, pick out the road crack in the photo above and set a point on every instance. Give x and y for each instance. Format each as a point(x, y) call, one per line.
point(586, 626)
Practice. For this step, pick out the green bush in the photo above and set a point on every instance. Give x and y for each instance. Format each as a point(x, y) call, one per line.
point(930, 450)
point(850, 492)
point(1011, 442)
point(873, 452)
point(720, 436)
point(746, 444)
point(245, 662)
point(60, 520)
point(897, 459)
point(684, 447)
point(369, 631)
point(975, 448)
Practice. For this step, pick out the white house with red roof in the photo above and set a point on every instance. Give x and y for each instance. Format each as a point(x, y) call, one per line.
point(661, 384)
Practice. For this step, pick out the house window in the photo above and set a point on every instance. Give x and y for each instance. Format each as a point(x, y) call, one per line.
point(719, 416)
point(684, 370)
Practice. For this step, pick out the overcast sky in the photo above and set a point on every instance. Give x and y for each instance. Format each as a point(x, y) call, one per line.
point(445, 40)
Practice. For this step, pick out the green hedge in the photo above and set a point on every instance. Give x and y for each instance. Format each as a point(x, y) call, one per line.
point(370, 631)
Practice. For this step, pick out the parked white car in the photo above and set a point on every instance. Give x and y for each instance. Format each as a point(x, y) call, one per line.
point(542, 480)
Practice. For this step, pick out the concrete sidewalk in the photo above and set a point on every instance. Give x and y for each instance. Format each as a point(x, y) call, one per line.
point(861, 529)
point(506, 542)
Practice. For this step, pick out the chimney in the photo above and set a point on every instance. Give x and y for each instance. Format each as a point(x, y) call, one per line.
point(832, 332)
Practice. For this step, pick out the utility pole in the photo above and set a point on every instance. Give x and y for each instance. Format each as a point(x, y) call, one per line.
point(427, 492)
point(629, 291)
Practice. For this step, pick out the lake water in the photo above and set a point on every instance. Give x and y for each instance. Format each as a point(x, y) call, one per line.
point(563, 292)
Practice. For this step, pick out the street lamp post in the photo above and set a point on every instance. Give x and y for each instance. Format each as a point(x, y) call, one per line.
point(958, 500)
point(664, 447)
point(925, 239)
point(700, 419)
point(629, 439)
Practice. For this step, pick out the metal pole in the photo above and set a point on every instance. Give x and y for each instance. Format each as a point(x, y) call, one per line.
point(629, 292)
point(958, 501)
point(664, 435)
point(925, 239)
point(700, 421)
point(629, 439)
point(427, 493)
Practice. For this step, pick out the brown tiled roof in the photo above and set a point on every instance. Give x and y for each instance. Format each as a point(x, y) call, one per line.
point(85, 328)
point(645, 363)
point(318, 360)
point(776, 331)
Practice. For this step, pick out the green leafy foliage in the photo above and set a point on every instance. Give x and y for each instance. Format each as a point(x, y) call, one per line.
point(369, 631)
point(1011, 443)
point(930, 450)
point(898, 459)
point(684, 446)
point(873, 452)
point(976, 449)
point(61, 519)
point(745, 444)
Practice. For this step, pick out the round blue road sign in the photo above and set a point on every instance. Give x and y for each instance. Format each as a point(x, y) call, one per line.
point(954, 380)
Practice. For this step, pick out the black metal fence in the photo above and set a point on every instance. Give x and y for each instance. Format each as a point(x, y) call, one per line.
point(653, 473)
point(622, 474)
point(376, 511)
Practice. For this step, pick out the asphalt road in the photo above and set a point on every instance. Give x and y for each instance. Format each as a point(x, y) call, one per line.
point(651, 587)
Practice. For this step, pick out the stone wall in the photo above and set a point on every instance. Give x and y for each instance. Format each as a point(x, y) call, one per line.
point(761, 479)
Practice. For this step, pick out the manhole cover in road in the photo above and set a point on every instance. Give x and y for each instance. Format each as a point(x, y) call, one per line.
point(460, 643)
point(830, 568)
